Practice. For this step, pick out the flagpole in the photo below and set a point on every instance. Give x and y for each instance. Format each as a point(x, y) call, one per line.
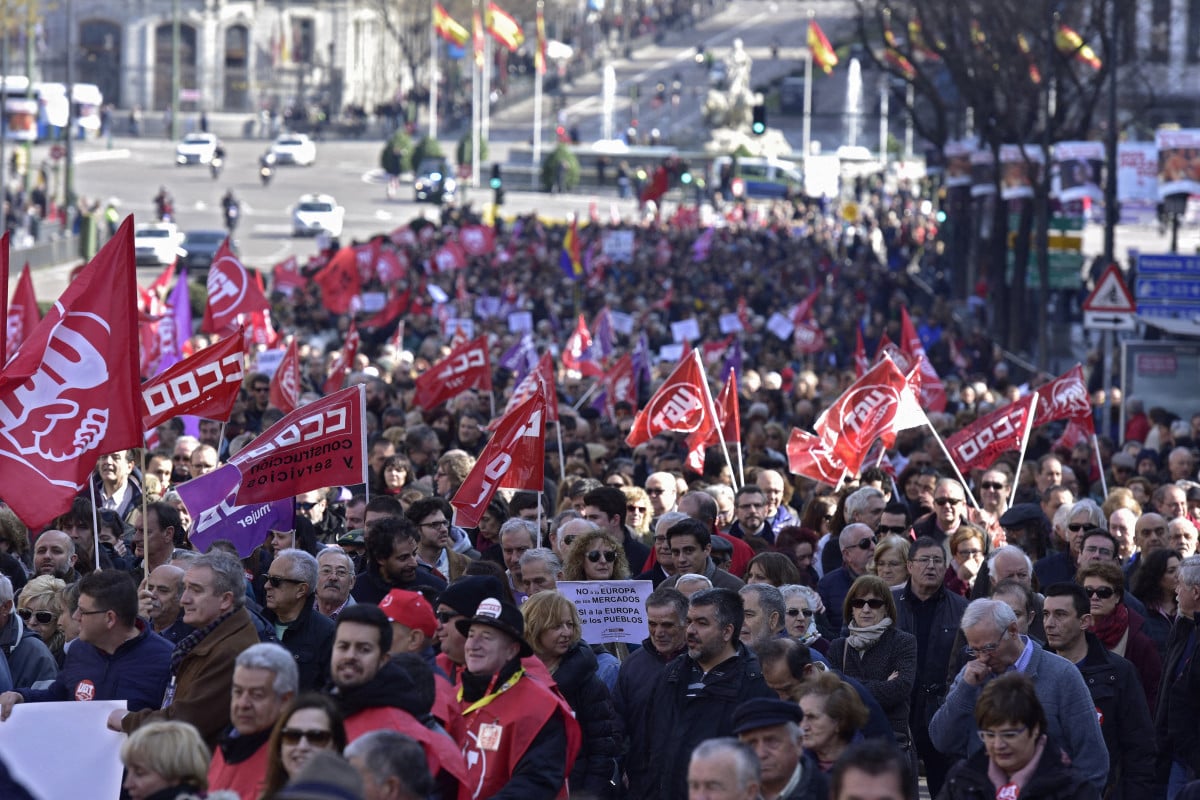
point(1099, 460)
point(476, 33)
point(806, 137)
point(4, 300)
point(537, 100)
point(712, 409)
point(362, 400)
point(1025, 439)
point(433, 75)
point(562, 466)
point(957, 471)
point(591, 390)
point(145, 526)
point(96, 522)
point(539, 518)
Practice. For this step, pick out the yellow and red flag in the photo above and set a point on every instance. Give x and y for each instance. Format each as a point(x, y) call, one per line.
point(1069, 42)
point(822, 51)
point(447, 28)
point(539, 56)
point(503, 28)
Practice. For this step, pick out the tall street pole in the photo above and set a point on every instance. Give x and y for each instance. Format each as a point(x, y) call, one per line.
point(1111, 211)
point(175, 66)
point(69, 169)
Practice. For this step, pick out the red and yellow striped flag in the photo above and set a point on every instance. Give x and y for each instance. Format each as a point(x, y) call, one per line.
point(822, 51)
point(447, 28)
point(503, 28)
point(1071, 43)
point(539, 56)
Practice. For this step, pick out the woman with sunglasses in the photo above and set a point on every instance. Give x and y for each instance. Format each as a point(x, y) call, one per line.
point(638, 512)
point(40, 607)
point(308, 723)
point(878, 653)
point(1018, 759)
point(552, 628)
point(594, 556)
point(803, 608)
point(1154, 582)
point(1120, 628)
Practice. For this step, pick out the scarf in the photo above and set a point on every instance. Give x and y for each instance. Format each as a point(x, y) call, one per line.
point(190, 642)
point(1110, 629)
point(862, 638)
point(1021, 776)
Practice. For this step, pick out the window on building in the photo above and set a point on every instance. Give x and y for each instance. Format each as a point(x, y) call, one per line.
point(1160, 31)
point(1193, 32)
point(303, 34)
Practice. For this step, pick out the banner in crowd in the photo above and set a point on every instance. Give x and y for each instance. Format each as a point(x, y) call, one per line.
point(285, 381)
point(958, 162)
point(232, 292)
point(1065, 397)
point(1137, 182)
point(468, 366)
point(70, 395)
point(321, 444)
point(38, 735)
point(204, 385)
point(344, 362)
point(212, 502)
point(514, 458)
point(932, 391)
point(813, 458)
point(611, 611)
point(1079, 168)
point(983, 173)
point(620, 385)
point(877, 405)
point(729, 417)
point(1178, 161)
point(979, 444)
point(541, 377)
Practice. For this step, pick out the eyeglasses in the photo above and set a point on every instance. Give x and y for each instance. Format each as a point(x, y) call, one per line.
point(1004, 736)
point(987, 649)
point(995, 487)
point(292, 736)
point(866, 602)
point(445, 617)
point(258, 389)
point(594, 556)
point(655, 492)
point(1076, 527)
point(947, 501)
point(437, 525)
point(1102, 592)
point(884, 530)
point(278, 580)
point(928, 561)
point(795, 612)
point(660, 539)
point(636, 509)
point(340, 572)
point(865, 544)
point(40, 617)
point(305, 506)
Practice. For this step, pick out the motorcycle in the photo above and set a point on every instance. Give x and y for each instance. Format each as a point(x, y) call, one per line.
point(215, 166)
point(232, 212)
point(265, 173)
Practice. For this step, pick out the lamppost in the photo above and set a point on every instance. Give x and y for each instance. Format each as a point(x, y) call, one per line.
point(175, 66)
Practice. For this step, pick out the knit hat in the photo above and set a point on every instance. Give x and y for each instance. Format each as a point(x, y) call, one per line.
point(465, 594)
point(326, 776)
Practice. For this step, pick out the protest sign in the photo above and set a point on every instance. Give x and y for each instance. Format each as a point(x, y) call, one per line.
point(611, 611)
point(36, 737)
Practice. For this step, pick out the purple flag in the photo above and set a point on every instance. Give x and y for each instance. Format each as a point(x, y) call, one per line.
point(733, 360)
point(210, 501)
point(521, 358)
point(604, 333)
point(641, 359)
point(702, 244)
point(176, 327)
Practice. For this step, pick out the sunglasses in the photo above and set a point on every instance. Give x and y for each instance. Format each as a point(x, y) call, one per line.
point(445, 617)
point(293, 736)
point(1102, 592)
point(865, 544)
point(594, 556)
point(947, 501)
point(654, 492)
point(995, 487)
point(637, 509)
point(864, 602)
point(278, 580)
point(795, 612)
point(1076, 527)
point(884, 530)
point(41, 617)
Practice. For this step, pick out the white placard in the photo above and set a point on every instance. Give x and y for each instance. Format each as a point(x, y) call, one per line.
point(730, 323)
point(670, 353)
point(617, 245)
point(436, 292)
point(487, 307)
point(685, 330)
point(37, 735)
point(372, 301)
point(612, 611)
point(455, 324)
point(520, 322)
point(621, 322)
point(780, 325)
point(267, 362)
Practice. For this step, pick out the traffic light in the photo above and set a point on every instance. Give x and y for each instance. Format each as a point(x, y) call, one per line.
point(497, 180)
point(759, 124)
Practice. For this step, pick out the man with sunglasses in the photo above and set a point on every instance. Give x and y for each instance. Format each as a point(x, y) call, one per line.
point(857, 543)
point(291, 585)
point(995, 646)
point(949, 512)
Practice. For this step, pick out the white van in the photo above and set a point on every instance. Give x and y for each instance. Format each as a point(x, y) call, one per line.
point(759, 178)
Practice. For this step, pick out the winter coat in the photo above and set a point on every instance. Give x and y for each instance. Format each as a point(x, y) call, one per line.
point(1177, 723)
point(309, 638)
point(896, 651)
point(931, 682)
point(1052, 780)
point(633, 699)
point(602, 731)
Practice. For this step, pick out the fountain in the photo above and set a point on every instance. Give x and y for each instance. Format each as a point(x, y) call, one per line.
point(854, 103)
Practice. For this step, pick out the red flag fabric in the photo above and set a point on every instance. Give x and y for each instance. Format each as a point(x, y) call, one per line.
point(681, 404)
point(542, 376)
point(285, 383)
point(231, 292)
point(514, 458)
point(803, 309)
point(343, 363)
point(259, 328)
point(317, 445)
point(620, 385)
point(1066, 397)
point(892, 351)
point(813, 458)
point(477, 240)
point(394, 307)
point(865, 411)
point(658, 186)
point(23, 314)
point(729, 425)
point(449, 256)
point(204, 385)
point(576, 354)
point(933, 391)
point(1078, 431)
point(71, 393)
point(983, 441)
point(163, 283)
point(286, 276)
point(339, 280)
point(861, 364)
point(808, 338)
point(468, 366)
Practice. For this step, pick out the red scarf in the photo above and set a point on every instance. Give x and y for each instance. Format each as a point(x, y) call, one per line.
point(1110, 629)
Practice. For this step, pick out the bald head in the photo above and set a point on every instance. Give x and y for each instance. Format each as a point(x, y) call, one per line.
point(159, 600)
point(858, 546)
point(1150, 533)
point(569, 531)
point(662, 489)
point(54, 554)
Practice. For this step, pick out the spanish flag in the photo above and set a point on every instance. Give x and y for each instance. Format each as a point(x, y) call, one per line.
point(539, 56)
point(503, 28)
point(1069, 42)
point(571, 261)
point(447, 28)
point(822, 51)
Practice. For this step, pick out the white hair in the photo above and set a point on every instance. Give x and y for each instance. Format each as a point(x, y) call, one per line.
point(1008, 550)
point(995, 612)
point(748, 769)
point(691, 577)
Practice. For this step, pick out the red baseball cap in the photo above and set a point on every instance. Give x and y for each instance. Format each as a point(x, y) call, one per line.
point(409, 609)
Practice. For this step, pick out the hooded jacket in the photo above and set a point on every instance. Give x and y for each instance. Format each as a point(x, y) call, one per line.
point(589, 698)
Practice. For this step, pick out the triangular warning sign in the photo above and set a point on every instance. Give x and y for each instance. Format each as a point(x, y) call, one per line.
point(1111, 295)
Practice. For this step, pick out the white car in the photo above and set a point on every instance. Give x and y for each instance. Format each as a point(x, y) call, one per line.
point(156, 244)
point(196, 148)
point(317, 213)
point(294, 148)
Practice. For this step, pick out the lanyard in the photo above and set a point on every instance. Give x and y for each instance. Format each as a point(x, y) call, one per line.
point(488, 698)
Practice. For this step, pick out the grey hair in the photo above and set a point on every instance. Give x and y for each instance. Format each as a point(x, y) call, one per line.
point(565, 516)
point(1189, 571)
point(389, 754)
point(1010, 550)
point(857, 500)
point(518, 524)
point(670, 518)
point(303, 564)
point(1095, 515)
point(993, 612)
point(1061, 517)
point(719, 491)
point(228, 575)
point(6, 590)
point(545, 555)
point(811, 598)
point(336, 551)
point(188, 556)
point(692, 577)
point(1182, 522)
point(770, 599)
point(273, 658)
point(748, 769)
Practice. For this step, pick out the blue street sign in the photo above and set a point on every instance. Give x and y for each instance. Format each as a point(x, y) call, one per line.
point(1168, 264)
point(1167, 285)
point(1168, 289)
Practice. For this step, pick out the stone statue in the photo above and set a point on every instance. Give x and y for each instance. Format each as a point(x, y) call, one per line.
point(733, 107)
point(738, 66)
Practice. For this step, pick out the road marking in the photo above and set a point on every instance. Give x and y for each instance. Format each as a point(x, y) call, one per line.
point(103, 155)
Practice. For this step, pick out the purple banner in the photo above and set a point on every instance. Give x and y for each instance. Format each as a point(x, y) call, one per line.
point(209, 499)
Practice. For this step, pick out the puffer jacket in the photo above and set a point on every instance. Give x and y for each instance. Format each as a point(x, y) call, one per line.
point(1053, 779)
point(595, 767)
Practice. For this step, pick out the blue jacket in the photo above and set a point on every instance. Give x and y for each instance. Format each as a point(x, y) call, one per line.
point(137, 672)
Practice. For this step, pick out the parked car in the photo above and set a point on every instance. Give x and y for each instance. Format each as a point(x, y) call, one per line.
point(196, 148)
point(199, 248)
point(156, 244)
point(294, 148)
point(433, 181)
point(316, 213)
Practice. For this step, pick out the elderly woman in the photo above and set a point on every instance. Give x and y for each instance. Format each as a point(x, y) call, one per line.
point(834, 715)
point(891, 560)
point(552, 628)
point(1018, 760)
point(309, 723)
point(39, 607)
point(1120, 628)
point(165, 761)
point(638, 512)
point(775, 569)
point(1154, 583)
point(967, 549)
point(880, 655)
point(803, 607)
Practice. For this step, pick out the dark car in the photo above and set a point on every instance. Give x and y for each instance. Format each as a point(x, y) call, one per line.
point(433, 182)
point(201, 247)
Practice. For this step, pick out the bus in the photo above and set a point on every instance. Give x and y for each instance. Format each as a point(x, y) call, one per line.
point(21, 109)
point(40, 113)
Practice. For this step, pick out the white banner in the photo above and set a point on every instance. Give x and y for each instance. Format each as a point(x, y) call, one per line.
point(780, 325)
point(1079, 171)
point(38, 736)
point(612, 611)
point(1178, 161)
point(617, 245)
point(621, 322)
point(686, 330)
point(267, 362)
point(730, 323)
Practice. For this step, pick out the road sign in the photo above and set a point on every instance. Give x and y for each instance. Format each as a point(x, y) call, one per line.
point(1107, 321)
point(57, 152)
point(1111, 294)
point(1065, 271)
point(1168, 285)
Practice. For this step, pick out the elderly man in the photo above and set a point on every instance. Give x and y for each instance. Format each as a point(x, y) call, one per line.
point(517, 536)
point(264, 680)
point(723, 769)
point(995, 646)
point(291, 586)
point(763, 616)
point(569, 531)
point(949, 512)
point(335, 576)
point(1121, 524)
point(541, 570)
point(661, 489)
point(214, 599)
point(1170, 501)
point(1181, 533)
point(664, 562)
point(1177, 720)
point(29, 660)
point(864, 506)
point(691, 549)
point(112, 487)
point(1150, 534)
point(54, 554)
point(779, 516)
point(158, 601)
point(1181, 465)
point(771, 728)
point(392, 766)
point(458, 601)
point(857, 543)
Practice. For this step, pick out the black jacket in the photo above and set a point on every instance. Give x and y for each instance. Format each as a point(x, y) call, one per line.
point(1052, 780)
point(1176, 725)
point(587, 695)
point(392, 687)
point(1124, 721)
point(633, 698)
point(813, 785)
point(682, 717)
point(370, 587)
point(896, 651)
point(310, 641)
point(932, 680)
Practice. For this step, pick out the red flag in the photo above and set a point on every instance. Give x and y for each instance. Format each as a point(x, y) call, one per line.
point(23, 314)
point(449, 256)
point(339, 280)
point(861, 364)
point(477, 240)
point(70, 394)
point(542, 376)
point(343, 363)
point(865, 411)
point(395, 306)
point(892, 351)
point(231, 292)
point(803, 309)
point(577, 353)
point(514, 458)
point(933, 391)
point(285, 383)
point(808, 338)
point(204, 385)
point(743, 312)
point(659, 183)
point(811, 457)
point(729, 425)
point(317, 445)
point(1066, 397)
point(259, 329)
point(1078, 431)
point(390, 266)
point(286, 276)
point(620, 385)
point(681, 404)
point(468, 366)
point(983, 441)
point(163, 283)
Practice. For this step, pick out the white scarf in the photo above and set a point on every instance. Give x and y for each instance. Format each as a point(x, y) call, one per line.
point(863, 638)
